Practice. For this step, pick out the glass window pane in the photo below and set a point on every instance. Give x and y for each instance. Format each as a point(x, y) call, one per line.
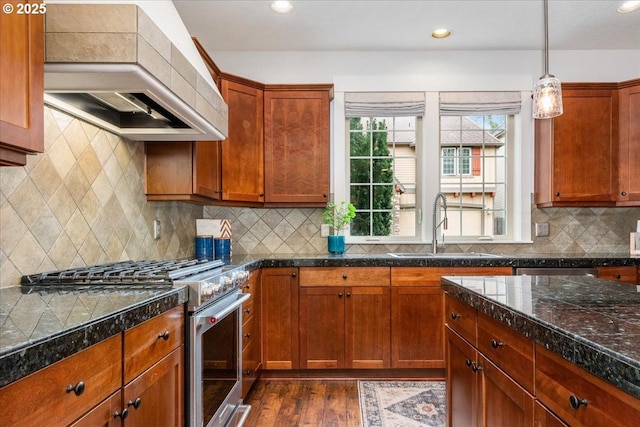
point(360, 224)
point(382, 170)
point(361, 196)
point(360, 171)
point(381, 224)
point(383, 196)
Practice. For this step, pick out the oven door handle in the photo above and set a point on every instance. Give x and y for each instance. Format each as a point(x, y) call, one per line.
point(219, 313)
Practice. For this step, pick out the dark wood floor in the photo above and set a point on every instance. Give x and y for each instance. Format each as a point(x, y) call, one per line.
point(309, 402)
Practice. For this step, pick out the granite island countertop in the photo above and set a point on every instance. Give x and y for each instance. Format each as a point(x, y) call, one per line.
point(41, 328)
point(590, 322)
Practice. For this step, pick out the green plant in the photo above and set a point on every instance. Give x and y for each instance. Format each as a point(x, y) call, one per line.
point(337, 216)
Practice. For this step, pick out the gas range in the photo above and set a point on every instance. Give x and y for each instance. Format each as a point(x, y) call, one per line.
point(208, 281)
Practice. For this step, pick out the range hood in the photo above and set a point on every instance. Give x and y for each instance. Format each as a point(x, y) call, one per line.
point(113, 66)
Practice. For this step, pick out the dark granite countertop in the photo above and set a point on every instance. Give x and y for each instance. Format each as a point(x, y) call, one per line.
point(38, 329)
point(385, 260)
point(591, 322)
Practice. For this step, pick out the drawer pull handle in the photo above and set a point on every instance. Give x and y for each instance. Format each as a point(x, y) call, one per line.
point(78, 389)
point(475, 368)
point(247, 311)
point(344, 276)
point(164, 336)
point(618, 276)
point(136, 404)
point(124, 414)
point(247, 335)
point(455, 316)
point(247, 286)
point(496, 344)
point(575, 401)
point(468, 362)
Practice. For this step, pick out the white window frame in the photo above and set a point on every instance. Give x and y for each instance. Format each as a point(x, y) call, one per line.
point(457, 160)
point(520, 170)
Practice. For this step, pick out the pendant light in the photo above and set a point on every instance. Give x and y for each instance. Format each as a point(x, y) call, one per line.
point(547, 93)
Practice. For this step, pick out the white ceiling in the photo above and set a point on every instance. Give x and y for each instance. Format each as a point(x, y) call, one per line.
point(322, 25)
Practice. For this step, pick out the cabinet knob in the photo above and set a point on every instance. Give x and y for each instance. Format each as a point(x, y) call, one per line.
point(261, 195)
point(624, 193)
point(475, 368)
point(247, 311)
point(293, 274)
point(246, 372)
point(344, 276)
point(136, 403)
point(455, 316)
point(124, 414)
point(468, 362)
point(77, 389)
point(324, 195)
point(575, 402)
point(164, 336)
point(348, 294)
point(247, 286)
point(557, 194)
point(340, 294)
point(618, 276)
point(496, 344)
point(247, 336)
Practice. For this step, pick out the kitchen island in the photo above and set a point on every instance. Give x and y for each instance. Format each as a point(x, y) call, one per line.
point(566, 346)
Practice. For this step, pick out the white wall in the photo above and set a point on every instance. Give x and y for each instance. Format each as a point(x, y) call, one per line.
point(324, 67)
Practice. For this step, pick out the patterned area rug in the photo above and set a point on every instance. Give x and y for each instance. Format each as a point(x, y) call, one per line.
point(402, 403)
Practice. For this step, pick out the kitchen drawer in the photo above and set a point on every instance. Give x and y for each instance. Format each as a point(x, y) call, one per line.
point(430, 276)
point(248, 331)
point(250, 365)
point(619, 274)
point(506, 348)
point(48, 397)
point(461, 318)
point(103, 414)
point(345, 276)
point(557, 381)
point(247, 309)
point(150, 341)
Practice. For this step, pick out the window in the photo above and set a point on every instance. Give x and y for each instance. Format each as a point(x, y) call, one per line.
point(382, 175)
point(474, 158)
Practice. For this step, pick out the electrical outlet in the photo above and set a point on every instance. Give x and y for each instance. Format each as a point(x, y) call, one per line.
point(324, 230)
point(156, 229)
point(542, 229)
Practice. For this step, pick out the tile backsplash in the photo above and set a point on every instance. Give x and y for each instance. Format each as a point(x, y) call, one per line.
point(82, 202)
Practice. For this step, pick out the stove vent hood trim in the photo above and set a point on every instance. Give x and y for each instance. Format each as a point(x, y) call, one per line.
point(134, 57)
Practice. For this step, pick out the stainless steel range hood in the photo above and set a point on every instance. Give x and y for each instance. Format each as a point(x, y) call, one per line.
point(113, 66)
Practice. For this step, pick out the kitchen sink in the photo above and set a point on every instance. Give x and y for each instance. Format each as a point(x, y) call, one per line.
point(444, 255)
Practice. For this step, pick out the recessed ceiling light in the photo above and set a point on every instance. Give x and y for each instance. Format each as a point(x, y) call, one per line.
point(281, 6)
point(441, 33)
point(629, 6)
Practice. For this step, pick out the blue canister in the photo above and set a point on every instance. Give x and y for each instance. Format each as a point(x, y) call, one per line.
point(204, 248)
point(222, 249)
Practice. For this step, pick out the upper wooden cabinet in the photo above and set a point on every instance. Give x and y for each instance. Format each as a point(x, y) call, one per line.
point(586, 156)
point(21, 86)
point(184, 171)
point(296, 142)
point(242, 162)
point(629, 149)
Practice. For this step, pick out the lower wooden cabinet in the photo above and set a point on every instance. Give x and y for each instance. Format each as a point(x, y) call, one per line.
point(345, 327)
point(135, 378)
point(156, 397)
point(417, 332)
point(542, 417)
point(280, 318)
point(251, 333)
point(479, 393)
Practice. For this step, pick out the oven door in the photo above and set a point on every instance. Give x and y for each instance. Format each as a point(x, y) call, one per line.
point(215, 359)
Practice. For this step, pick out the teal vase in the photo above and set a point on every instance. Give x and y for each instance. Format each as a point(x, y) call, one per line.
point(336, 245)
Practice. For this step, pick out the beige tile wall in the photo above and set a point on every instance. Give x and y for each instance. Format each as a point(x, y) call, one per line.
point(82, 202)
point(297, 231)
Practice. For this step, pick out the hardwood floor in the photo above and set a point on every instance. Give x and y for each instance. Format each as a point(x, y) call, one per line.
point(308, 402)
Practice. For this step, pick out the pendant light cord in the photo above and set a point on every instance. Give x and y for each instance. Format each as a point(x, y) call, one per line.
point(546, 37)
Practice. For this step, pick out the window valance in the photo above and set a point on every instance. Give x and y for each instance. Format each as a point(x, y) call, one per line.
point(479, 103)
point(384, 104)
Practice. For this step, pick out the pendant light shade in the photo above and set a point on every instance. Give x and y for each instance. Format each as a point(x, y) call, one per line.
point(547, 93)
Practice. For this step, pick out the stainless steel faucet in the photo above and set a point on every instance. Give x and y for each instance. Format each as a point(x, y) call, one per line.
point(444, 222)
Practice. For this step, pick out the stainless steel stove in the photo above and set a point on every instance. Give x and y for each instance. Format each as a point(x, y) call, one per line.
point(214, 322)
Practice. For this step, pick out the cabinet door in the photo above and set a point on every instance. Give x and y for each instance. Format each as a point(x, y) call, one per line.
point(504, 402)
point(629, 158)
point(545, 418)
point(104, 414)
point(296, 142)
point(21, 86)
point(243, 150)
point(156, 398)
point(367, 327)
point(207, 179)
point(322, 327)
point(462, 382)
point(417, 327)
point(280, 318)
